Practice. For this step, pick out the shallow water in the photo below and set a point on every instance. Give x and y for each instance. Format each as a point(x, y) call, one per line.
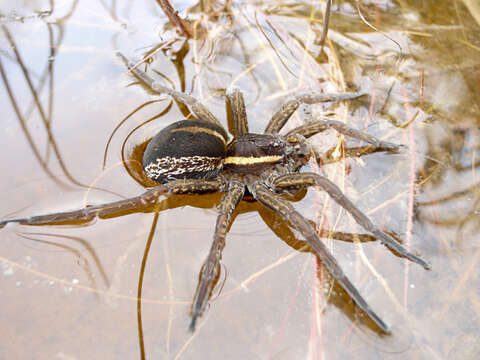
point(71, 291)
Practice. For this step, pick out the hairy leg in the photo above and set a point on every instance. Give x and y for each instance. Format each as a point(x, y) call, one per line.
point(135, 203)
point(330, 156)
point(318, 126)
point(280, 118)
point(239, 114)
point(312, 179)
point(200, 110)
point(289, 214)
point(211, 266)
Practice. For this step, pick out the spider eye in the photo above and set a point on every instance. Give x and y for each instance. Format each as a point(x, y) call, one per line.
point(299, 149)
point(302, 151)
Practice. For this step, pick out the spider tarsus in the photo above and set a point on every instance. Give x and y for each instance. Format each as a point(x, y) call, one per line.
point(124, 59)
point(3, 223)
point(380, 323)
point(395, 148)
point(231, 89)
point(193, 323)
point(393, 244)
point(426, 265)
point(417, 259)
point(312, 98)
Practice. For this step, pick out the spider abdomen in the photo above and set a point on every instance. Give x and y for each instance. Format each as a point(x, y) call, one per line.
point(187, 149)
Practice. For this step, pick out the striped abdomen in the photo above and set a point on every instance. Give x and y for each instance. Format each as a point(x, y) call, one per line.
point(187, 149)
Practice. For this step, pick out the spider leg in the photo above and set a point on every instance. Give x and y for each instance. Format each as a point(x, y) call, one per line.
point(330, 156)
point(211, 266)
point(239, 114)
point(200, 110)
point(148, 198)
point(280, 118)
point(282, 207)
point(309, 179)
point(318, 126)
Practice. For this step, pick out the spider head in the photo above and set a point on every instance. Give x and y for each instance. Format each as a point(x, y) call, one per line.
point(300, 150)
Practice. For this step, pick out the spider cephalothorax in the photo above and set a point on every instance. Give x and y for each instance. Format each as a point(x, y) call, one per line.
point(194, 156)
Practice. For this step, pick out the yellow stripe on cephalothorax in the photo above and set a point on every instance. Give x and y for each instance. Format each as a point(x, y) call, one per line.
point(197, 129)
point(250, 160)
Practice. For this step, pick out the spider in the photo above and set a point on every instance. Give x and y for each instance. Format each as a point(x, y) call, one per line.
point(195, 156)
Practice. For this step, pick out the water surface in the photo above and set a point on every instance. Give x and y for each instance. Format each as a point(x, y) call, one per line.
point(70, 292)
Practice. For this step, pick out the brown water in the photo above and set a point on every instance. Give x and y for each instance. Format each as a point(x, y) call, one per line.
point(70, 292)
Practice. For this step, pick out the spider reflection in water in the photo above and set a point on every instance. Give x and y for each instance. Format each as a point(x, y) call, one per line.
point(195, 156)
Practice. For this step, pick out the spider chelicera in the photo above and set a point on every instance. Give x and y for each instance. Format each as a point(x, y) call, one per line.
point(195, 156)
